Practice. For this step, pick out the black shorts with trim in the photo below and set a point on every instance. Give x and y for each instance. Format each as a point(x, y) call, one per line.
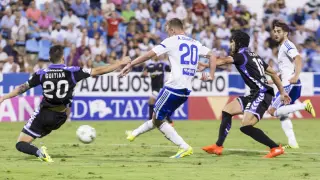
point(257, 103)
point(43, 121)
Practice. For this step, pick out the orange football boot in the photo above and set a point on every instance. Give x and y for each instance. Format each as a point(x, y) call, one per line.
point(277, 151)
point(213, 149)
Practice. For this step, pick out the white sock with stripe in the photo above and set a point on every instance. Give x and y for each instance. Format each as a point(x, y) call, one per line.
point(287, 109)
point(287, 127)
point(173, 136)
point(145, 127)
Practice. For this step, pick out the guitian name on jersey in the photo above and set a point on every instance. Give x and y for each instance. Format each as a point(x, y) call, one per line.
point(55, 73)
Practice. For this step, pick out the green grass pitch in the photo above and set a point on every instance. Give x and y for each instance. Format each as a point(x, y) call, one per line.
point(111, 157)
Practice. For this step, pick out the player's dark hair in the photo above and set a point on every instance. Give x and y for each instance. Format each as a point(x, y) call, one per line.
point(241, 39)
point(282, 25)
point(56, 53)
point(175, 23)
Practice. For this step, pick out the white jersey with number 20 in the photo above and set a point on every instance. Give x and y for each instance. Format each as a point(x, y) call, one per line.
point(183, 55)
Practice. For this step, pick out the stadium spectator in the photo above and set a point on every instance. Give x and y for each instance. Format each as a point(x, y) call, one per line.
point(113, 22)
point(19, 31)
point(98, 47)
point(7, 21)
point(32, 12)
point(217, 19)
point(58, 34)
point(44, 21)
point(116, 44)
point(85, 58)
point(3, 42)
point(263, 34)
point(298, 17)
point(128, 13)
point(314, 59)
point(95, 29)
point(166, 6)
point(70, 18)
point(74, 57)
point(3, 56)
point(80, 8)
point(224, 34)
point(10, 50)
point(95, 4)
point(98, 61)
point(181, 11)
point(57, 8)
point(95, 17)
point(312, 24)
point(72, 34)
point(265, 52)
point(198, 8)
point(207, 37)
point(142, 12)
point(10, 66)
point(300, 35)
point(311, 6)
point(84, 39)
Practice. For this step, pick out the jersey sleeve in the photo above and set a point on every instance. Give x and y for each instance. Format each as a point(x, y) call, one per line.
point(290, 49)
point(163, 47)
point(203, 50)
point(238, 59)
point(34, 80)
point(82, 73)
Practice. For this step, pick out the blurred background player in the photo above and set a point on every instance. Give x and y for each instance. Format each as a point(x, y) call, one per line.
point(290, 66)
point(183, 55)
point(253, 70)
point(58, 82)
point(157, 70)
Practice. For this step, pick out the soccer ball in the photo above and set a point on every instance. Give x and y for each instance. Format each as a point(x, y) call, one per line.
point(86, 134)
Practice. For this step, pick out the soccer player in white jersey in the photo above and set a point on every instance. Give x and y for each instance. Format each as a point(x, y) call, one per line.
point(183, 55)
point(290, 65)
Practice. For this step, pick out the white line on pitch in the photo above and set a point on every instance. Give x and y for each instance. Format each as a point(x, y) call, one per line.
point(226, 149)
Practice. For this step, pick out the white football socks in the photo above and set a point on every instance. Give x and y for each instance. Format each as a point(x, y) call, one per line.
point(173, 136)
point(287, 109)
point(145, 127)
point(287, 127)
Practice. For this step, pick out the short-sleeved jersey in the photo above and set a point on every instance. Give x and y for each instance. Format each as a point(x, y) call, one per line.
point(58, 82)
point(252, 69)
point(286, 55)
point(183, 55)
point(157, 72)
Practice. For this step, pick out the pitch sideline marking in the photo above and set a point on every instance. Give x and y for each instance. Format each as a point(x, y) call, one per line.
point(226, 149)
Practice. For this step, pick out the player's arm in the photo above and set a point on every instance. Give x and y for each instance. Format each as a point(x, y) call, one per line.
point(297, 69)
point(32, 82)
point(110, 68)
point(212, 64)
point(276, 80)
point(17, 91)
point(156, 51)
point(219, 62)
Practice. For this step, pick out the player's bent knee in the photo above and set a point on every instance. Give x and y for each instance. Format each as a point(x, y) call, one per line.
point(283, 118)
point(19, 145)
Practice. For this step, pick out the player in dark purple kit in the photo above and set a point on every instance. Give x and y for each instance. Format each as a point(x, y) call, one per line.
point(58, 82)
point(253, 70)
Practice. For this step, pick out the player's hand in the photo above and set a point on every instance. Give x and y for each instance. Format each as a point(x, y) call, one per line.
point(294, 80)
point(125, 70)
point(201, 68)
point(206, 77)
point(285, 98)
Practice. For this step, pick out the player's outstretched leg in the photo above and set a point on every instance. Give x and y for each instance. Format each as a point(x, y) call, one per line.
point(145, 127)
point(249, 120)
point(172, 135)
point(24, 145)
point(170, 120)
point(287, 127)
point(229, 110)
point(285, 110)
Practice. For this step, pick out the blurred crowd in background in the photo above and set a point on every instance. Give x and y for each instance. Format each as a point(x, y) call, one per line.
point(99, 32)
